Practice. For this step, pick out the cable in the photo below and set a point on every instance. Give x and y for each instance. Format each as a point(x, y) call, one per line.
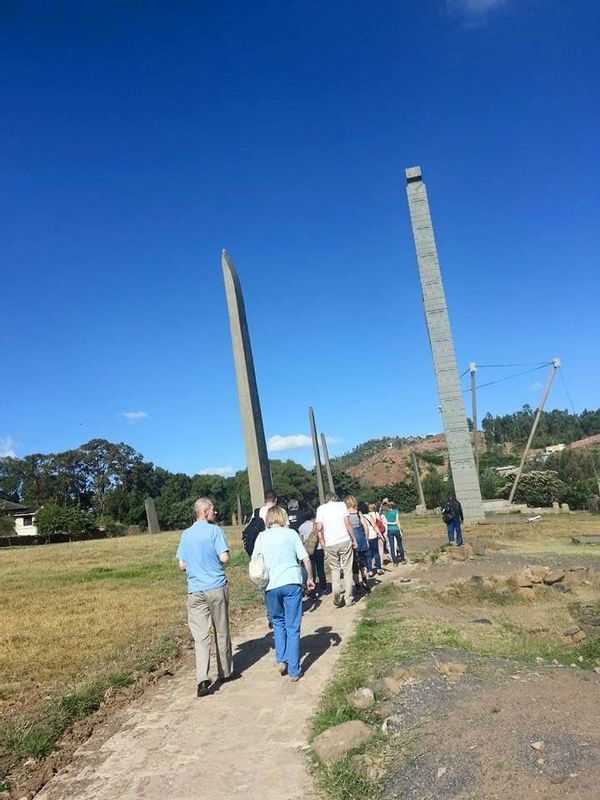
point(526, 364)
point(463, 374)
point(508, 377)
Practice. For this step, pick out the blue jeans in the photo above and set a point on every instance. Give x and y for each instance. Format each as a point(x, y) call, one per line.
point(454, 527)
point(373, 557)
point(285, 607)
point(395, 542)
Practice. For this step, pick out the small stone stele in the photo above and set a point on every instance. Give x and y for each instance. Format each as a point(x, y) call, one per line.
point(334, 743)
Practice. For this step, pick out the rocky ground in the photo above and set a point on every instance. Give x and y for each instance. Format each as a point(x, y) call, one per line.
point(467, 722)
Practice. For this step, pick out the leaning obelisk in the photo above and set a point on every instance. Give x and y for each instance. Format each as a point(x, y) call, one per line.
point(442, 347)
point(327, 463)
point(259, 472)
point(315, 444)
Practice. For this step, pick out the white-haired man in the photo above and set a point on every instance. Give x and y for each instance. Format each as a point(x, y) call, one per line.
point(202, 552)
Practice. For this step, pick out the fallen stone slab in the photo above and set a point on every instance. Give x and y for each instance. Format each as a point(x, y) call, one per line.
point(586, 538)
point(334, 743)
point(554, 576)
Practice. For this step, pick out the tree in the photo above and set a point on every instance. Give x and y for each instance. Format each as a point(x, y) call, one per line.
point(537, 488)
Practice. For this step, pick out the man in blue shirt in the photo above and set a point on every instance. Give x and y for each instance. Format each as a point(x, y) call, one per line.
point(202, 552)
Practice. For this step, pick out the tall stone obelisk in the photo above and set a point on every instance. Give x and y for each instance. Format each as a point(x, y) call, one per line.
point(450, 395)
point(327, 463)
point(315, 444)
point(259, 471)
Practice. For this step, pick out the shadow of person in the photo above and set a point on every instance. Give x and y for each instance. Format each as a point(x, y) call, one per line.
point(315, 644)
point(310, 603)
point(248, 653)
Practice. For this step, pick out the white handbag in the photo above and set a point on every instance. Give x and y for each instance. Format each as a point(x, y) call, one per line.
point(258, 570)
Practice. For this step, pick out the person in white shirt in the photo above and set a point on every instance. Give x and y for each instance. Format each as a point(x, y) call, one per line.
point(336, 534)
point(317, 559)
point(270, 502)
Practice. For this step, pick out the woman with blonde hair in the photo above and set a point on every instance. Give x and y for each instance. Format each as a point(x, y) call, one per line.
point(375, 557)
point(359, 564)
point(282, 551)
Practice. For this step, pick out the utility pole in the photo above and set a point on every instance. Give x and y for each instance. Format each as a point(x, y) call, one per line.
point(551, 376)
point(418, 483)
point(473, 371)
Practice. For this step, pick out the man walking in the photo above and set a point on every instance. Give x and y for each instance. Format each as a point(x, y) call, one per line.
point(202, 552)
point(452, 514)
point(336, 535)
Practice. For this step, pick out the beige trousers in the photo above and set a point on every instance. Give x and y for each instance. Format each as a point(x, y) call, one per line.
point(205, 610)
point(339, 557)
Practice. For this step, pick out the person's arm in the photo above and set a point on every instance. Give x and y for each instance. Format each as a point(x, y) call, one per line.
point(181, 565)
point(221, 546)
point(462, 518)
point(180, 555)
point(310, 584)
point(350, 530)
point(320, 534)
point(364, 524)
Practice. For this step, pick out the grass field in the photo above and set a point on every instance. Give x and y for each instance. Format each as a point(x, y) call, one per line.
point(80, 618)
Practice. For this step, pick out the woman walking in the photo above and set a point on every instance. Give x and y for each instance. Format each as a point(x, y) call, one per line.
point(283, 551)
point(308, 534)
point(394, 533)
point(359, 564)
point(374, 539)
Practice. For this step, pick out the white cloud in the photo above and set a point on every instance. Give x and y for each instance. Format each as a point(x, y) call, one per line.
point(225, 472)
point(8, 447)
point(474, 8)
point(135, 416)
point(295, 441)
point(537, 386)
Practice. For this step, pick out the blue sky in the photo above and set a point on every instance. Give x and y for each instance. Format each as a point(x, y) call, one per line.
point(138, 140)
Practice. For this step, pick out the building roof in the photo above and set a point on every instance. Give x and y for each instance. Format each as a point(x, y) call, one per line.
point(8, 505)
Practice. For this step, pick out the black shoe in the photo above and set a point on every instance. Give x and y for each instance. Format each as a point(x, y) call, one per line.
point(203, 689)
point(233, 677)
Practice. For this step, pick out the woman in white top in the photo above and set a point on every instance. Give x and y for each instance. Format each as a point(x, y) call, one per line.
point(317, 557)
point(375, 557)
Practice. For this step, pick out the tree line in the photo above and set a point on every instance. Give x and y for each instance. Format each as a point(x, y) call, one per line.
point(102, 484)
point(556, 426)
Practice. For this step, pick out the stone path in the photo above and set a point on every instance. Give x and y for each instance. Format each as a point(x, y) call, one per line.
point(248, 739)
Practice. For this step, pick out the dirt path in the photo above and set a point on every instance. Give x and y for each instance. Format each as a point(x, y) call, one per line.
point(248, 738)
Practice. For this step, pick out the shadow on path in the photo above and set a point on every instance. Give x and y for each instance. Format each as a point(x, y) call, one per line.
point(315, 644)
point(248, 653)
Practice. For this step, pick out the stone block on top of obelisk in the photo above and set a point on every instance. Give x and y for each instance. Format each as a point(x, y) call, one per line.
point(460, 451)
point(259, 471)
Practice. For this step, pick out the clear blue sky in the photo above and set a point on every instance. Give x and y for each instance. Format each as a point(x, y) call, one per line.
point(139, 139)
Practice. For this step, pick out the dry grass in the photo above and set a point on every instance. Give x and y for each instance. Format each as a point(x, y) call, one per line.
point(89, 614)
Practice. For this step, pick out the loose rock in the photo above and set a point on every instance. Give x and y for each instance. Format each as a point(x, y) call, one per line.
point(334, 743)
point(451, 670)
point(554, 576)
point(361, 698)
point(539, 746)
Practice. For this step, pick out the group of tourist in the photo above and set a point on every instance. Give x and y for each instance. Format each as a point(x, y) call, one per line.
point(294, 545)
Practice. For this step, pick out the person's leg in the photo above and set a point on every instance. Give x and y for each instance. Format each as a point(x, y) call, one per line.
point(450, 527)
point(276, 610)
point(346, 557)
point(376, 558)
point(292, 602)
point(199, 625)
point(369, 557)
point(392, 546)
point(333, 559)
point(268, 612)
point(381, 548)
point(218, 601)
point(400, 546)
point(458, 529)
point(319, 569)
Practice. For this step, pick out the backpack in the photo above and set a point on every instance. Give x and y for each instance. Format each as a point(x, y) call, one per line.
point(379, 524)
point(450, 511)
point(251, 531)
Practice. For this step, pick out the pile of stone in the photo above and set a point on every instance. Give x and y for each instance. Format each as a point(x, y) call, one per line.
point(465, 551)
point(531, 577)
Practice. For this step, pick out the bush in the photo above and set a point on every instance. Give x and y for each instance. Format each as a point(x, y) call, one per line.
point(7, 526)
point(52, 518)
point(539, 488)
